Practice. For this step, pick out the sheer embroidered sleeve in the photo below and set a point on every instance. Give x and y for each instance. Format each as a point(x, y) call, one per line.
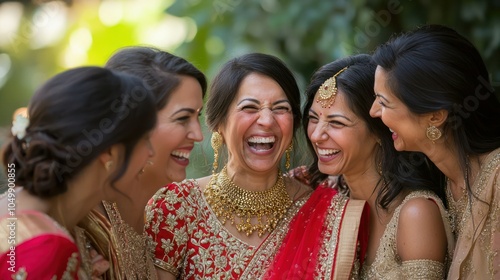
point(169, 219)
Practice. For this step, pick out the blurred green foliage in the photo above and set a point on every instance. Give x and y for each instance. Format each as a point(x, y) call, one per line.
point(308, 34)
point(305, 34)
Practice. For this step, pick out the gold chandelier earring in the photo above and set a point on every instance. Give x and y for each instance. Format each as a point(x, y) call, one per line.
point(433, 133)
point(287, 155)
point(216, 142)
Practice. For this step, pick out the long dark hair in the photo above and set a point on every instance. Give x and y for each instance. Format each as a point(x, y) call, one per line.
point(400, 171)
point(433, 68)
point(74, 117)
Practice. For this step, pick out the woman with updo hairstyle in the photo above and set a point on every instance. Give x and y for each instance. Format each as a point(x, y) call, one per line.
point(84, 138)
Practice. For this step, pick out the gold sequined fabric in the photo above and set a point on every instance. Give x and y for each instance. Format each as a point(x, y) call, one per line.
point(456, 209)
point(125, 249)
point(387, 263)
point(477, 253)
point(422, 270)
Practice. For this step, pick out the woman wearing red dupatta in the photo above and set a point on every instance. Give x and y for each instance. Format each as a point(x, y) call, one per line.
point(326, 239)
point(347, 141)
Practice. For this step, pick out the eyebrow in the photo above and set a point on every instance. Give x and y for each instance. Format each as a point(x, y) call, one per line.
point(331, 116)
point(189, 110)
point(381, 96)
point(253, 100)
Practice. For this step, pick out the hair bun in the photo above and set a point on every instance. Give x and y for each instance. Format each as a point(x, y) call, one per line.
point(40, 165)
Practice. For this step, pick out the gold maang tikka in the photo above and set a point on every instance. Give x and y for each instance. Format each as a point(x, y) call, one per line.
point(328, 90)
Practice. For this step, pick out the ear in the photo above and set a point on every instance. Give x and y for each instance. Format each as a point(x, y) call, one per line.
point(111, 154)
point(438, 117)
point(105, 156)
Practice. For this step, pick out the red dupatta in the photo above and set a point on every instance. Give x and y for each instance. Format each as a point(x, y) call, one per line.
point(328, 222)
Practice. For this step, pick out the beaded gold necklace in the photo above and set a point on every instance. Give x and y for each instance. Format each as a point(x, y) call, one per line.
point(229, 201)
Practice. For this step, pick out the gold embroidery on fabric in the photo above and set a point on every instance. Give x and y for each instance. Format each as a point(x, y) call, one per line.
point(330, 238)
point(133, 253)
point(71, 267)
point(456, 209)
point(167, 267)
point(81, 242)
point(422, 269)
point(213, 252)
point(21, 274)
point(469, 226)
point(387, 264)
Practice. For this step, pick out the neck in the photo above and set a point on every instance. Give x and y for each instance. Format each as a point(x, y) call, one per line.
point(132, 210)
point(363, 186)
point(73, 205)
point(446, 159)
point(252, 181)
point(132, 204)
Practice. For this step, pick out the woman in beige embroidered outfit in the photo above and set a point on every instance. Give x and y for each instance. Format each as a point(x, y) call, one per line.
point(232, 225)
point(409, 232)
point(60, 173)
point(433, 92)
point(116, 229)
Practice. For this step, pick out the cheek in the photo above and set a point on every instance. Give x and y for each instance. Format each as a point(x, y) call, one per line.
point(285, 122)
point(385, 116)
point(310, 129)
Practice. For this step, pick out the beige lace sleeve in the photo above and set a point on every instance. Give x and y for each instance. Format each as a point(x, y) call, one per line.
point(422, 269)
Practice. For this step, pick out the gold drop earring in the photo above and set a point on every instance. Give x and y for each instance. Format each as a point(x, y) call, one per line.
point(287, 155)
point(216, 142)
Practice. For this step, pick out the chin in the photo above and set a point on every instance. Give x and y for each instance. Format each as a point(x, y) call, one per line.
point(176, 179)
point(328, 171)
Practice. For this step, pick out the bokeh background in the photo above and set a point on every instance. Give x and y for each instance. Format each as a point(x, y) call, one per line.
point(41, 38)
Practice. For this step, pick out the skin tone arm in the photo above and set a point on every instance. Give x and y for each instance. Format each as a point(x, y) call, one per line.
point(164, 275)
point(421, 233)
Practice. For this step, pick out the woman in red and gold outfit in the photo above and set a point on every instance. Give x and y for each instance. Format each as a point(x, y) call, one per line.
point(57, 173)
point(235, 223)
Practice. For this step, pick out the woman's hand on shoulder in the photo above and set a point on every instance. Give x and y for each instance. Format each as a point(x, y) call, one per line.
point(300, 174)
point(421, 232)
point(99, 265)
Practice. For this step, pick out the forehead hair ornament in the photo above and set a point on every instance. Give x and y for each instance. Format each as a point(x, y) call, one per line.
point(328, 90)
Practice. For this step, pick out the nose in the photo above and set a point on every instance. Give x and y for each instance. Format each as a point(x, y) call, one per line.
point(318, 134)
point(195, 133)
point(266, 117)
point(375, 109)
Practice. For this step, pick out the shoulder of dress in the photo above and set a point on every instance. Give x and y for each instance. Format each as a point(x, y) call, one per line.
point(183, 187)
point(187, 190)
point(29, 225)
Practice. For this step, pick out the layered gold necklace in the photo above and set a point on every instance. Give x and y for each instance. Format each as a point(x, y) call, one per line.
point(229, 201)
